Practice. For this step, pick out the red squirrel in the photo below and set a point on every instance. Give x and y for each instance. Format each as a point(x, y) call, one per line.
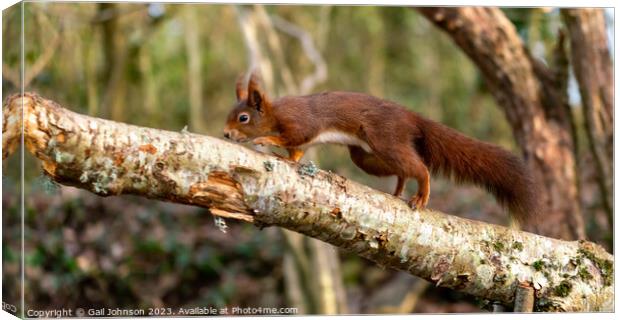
point(384, 139)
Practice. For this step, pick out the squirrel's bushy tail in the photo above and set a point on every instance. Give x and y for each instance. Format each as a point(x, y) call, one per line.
point(464, 159)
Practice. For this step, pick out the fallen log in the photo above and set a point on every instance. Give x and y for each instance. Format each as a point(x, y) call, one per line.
point(484, 260)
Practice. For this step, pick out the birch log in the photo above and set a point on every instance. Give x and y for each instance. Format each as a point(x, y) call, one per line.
point(484, 260)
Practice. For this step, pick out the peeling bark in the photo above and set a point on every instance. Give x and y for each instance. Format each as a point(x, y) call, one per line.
point(484, 260)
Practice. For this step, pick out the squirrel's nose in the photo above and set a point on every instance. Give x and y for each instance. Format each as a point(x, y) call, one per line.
point(227, 135)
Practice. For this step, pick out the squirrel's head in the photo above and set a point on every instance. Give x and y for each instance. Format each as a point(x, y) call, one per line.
point(251, 116)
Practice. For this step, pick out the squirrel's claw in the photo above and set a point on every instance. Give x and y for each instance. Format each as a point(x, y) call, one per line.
point(417, 202)
point(412, 204)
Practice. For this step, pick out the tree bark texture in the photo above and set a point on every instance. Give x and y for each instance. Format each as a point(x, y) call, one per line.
point(524, 89)
point(194, 69)
point(484, 260)
point(593, 69)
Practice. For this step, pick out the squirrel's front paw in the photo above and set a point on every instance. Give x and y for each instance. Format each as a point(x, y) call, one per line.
point(261, 141)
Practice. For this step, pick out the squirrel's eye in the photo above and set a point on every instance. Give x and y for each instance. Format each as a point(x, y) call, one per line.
point(244, 118)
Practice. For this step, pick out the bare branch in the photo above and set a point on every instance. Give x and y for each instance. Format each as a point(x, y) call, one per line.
point(46, 56)
point(11, 75)
point(42, 61)
point(256, 59)
point(320, 73)
point(276, 49)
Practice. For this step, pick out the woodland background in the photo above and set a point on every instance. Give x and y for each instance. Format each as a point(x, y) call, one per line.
point(172, 66)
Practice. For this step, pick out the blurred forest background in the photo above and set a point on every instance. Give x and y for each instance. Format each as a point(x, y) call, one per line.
point(170, 66)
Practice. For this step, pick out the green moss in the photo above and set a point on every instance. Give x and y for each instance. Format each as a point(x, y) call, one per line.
point(563, 289)
point(606, 266)
point(517, 245)
point(538, 265)
point(607, 271)
point(584, 274)
point(587, 254)
point(498, 246)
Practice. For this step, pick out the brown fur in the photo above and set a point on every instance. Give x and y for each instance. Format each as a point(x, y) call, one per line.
point(403, 143)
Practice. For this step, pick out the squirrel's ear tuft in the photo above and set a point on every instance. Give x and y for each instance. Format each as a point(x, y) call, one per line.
point(256, 100)
point(255, 95)
point(240, 90)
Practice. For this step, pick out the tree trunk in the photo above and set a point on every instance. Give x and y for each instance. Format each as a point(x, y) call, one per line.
point(591, 62)
point(194, 69)
point(524, 89)
point(484, 260)
point(115, 53)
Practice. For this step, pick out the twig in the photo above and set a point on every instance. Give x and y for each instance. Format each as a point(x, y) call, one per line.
point(524, 298)
point(247, 24)
point(276, 48)
point(31, 72)
point(320, 73)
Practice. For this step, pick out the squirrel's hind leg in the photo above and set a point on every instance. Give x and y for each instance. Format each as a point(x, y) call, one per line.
point(420, 199)
point(404, 161)
point(400, 186)
point(369, 162)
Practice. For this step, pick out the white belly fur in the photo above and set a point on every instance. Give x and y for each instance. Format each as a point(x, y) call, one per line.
point(339, 137)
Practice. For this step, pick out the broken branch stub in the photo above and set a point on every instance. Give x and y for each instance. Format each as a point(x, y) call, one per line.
point(484, 260)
